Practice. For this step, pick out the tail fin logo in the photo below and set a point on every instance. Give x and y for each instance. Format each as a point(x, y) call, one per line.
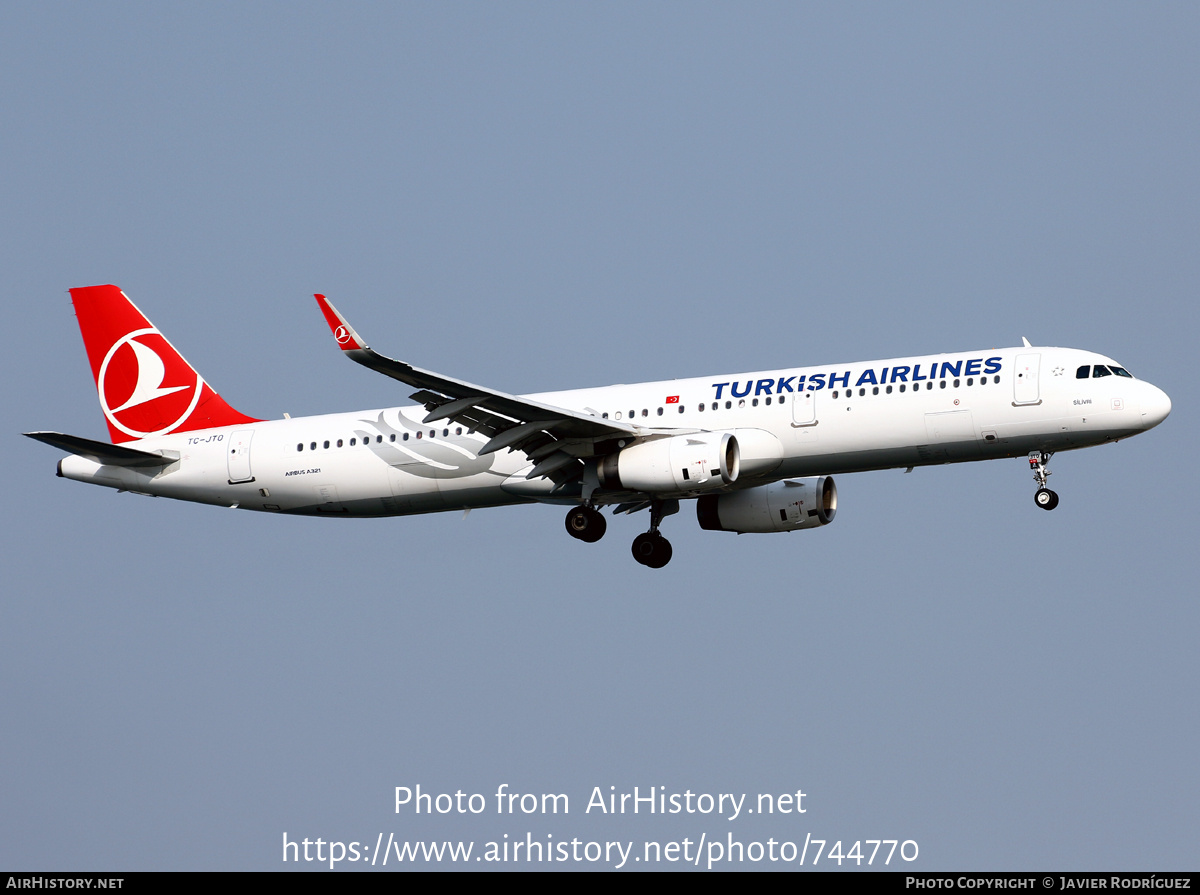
point(342, 335)
point(131, 385)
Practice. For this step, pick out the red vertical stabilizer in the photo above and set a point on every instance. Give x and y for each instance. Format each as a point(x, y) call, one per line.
point(145, 386)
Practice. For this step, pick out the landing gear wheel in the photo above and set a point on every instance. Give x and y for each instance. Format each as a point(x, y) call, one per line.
point(652, 549)
point(1045, 498)
point(586, 524)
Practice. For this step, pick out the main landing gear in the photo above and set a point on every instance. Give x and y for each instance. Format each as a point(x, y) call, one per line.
point(650, 548)
point(586, 524)
point(1044, 498)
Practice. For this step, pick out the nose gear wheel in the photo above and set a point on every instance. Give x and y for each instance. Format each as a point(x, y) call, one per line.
point(1044, 498)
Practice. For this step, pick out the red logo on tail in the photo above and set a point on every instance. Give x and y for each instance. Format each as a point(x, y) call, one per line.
point(139, 394)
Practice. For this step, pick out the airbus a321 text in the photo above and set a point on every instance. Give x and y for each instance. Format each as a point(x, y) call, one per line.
point(757, 452)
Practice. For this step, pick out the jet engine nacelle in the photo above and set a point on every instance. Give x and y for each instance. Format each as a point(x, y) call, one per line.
point(674, 465)
point(760, 451)
point(780, 506)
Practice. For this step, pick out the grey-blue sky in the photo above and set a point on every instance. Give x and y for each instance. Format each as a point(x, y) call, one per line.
point(535, 197)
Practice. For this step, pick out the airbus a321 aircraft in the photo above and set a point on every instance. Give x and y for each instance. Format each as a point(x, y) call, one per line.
point(757, 452)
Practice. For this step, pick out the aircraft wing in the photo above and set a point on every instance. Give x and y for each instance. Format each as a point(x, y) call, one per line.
point(554, 438)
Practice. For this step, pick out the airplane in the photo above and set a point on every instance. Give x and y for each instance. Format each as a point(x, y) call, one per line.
point(757, 452)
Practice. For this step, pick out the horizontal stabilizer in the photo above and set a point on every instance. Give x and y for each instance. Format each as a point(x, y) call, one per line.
point(99, 451)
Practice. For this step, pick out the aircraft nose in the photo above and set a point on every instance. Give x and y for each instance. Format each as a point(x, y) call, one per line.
point(1155, 406)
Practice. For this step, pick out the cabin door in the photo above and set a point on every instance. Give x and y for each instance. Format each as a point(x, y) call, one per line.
point(1025, 381)
point(239, 456)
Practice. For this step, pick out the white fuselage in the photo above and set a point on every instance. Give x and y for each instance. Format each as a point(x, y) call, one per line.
point(828, 419)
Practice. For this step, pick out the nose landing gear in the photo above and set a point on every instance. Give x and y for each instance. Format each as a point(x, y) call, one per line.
point(1044, 497)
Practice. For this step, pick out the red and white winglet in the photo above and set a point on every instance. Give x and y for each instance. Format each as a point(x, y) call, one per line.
point(343, 332)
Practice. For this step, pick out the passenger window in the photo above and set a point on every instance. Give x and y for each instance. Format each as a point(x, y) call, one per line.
point(300, 447)
point(754, 403)
point(406, 436)
point(681, 408)
point(700, 408)
point(604, 415)
point(1100, 370)
point(418, 436)
point(715, 405)
point(901, 386)
point(889, 389)
point(313, 446)
point(835, 394)
point(875, 390)
point(728, 404)
point(353, 442)
point(1082, 372)
point(956, 383)
point(996, 379)
point(327, 445)
point(742, 403)
point(943, 384)
point(458, 431)
point(392, 437)
point(445, 433)
point(432, 433)
point(660, 411)
point(339, 442)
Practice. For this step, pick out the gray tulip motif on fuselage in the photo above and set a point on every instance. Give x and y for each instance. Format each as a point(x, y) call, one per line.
point(420, 455)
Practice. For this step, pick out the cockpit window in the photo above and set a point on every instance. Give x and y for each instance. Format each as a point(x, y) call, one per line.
point(1083, 372)
point(1121, 371)
point(1100, 370)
